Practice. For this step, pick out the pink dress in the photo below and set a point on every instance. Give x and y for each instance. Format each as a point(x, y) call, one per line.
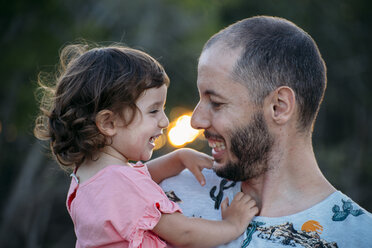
point(118, 207)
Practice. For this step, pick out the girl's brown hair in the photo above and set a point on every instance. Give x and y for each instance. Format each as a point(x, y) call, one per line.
point(91, 80)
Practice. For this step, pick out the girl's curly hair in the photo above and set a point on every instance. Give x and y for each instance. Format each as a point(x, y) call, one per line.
point(90, 80)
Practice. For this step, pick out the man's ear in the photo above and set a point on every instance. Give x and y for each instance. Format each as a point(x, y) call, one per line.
point(106, 122)
point(282, 104)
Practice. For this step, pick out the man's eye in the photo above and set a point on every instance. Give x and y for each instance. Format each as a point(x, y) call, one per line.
point(216, 104)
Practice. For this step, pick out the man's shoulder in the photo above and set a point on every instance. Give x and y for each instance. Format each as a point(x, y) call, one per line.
point(337, 221)
point(338, 210)
point(351, 214)
point(343, 207)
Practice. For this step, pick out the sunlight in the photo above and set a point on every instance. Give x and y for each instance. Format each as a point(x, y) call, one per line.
point(181, 132)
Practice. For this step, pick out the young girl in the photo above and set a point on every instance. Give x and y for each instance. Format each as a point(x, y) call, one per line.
point(106, 110)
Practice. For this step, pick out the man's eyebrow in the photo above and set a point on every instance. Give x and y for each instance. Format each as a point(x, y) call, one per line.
point(212, 93)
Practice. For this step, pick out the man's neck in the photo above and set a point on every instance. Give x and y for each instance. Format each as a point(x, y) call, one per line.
point(294, 183)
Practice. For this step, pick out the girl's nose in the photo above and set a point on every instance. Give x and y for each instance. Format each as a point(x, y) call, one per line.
point(164, 122)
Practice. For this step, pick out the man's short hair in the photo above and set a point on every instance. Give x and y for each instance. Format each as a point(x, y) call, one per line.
point(275, 52)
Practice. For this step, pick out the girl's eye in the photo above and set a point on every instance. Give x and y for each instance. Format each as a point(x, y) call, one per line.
point(154, 111)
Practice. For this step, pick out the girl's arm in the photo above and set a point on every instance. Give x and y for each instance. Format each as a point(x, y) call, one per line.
point(173, 163)
point(181, 231)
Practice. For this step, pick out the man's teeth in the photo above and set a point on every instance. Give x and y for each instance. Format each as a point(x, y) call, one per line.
point(217, 145)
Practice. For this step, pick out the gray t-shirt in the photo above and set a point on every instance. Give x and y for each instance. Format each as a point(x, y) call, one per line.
point(337, 221)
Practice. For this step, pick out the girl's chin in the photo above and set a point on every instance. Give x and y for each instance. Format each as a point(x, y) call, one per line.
point(147, 157)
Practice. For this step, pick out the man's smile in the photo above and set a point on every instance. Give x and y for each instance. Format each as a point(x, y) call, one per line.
point(217, 145)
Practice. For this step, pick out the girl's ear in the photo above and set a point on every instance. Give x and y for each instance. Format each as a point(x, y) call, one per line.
point(106, 122)
point(282, 104)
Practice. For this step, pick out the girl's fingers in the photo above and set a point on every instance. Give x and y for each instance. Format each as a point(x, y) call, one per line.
point(206, 162)
point(238, 196)
point(198, 175)
point(209, 163)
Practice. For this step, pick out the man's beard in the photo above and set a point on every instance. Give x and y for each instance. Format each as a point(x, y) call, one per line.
point(251, 146)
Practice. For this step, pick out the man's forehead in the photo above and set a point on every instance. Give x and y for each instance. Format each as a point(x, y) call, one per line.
point(211, 81)
point(219, 54)
point(217, 64)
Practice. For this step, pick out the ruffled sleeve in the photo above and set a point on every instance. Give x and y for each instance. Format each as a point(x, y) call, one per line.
point(141, 237)
point(146, 201)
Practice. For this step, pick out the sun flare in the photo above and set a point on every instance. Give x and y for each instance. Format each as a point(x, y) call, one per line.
point(181, 132)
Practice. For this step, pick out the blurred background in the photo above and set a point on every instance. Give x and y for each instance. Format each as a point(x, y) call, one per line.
point(33, 187)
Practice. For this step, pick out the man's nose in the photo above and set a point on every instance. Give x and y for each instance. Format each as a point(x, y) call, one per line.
point(200, 117)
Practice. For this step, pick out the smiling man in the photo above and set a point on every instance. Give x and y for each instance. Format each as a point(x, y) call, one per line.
point(261, 82)
point(221, 114)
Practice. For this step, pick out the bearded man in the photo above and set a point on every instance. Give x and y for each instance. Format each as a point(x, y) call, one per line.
point(261, 82)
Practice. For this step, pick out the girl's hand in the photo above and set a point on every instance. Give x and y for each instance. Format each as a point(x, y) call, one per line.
point(240, 212)
point(195, 161)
